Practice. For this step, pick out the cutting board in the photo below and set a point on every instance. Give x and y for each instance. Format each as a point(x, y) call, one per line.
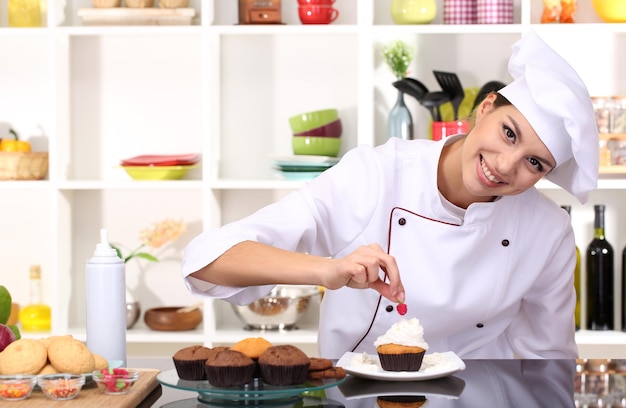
point(144, 393)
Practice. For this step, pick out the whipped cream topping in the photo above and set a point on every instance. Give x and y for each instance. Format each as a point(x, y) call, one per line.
point(405, 333)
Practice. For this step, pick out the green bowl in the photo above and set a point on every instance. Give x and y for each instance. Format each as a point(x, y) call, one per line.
point(311, 120)
point(157, 172)
point(316, 145)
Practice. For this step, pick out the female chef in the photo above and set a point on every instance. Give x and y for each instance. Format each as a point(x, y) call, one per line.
point(453, 228)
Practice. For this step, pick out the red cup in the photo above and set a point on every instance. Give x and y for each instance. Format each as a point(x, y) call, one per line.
point(316, 2)
point(315, 14)
point(441, 130)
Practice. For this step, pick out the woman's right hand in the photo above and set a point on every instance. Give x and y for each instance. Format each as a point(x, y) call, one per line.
point(361, 270)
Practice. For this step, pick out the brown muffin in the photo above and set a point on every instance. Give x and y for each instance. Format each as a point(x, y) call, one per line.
point(284, 365)
point(401, 401)
point(395, 357)
point(229, 368)
point(189, 362)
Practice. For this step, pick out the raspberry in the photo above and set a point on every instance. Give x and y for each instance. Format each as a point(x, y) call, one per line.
point(401, 308)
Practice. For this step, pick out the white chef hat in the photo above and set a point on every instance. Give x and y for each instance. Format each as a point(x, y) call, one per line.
point(556, 103)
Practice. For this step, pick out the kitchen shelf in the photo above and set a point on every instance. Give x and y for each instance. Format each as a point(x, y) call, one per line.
point(92, 95)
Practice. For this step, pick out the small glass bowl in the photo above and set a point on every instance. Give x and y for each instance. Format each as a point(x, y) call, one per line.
point(16, 387)
point(61, 387)
point(115, 381)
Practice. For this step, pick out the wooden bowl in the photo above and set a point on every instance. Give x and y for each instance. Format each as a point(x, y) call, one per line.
point(168, 319)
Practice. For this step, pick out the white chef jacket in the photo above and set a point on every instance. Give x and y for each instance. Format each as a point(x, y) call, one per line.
point(496, 283)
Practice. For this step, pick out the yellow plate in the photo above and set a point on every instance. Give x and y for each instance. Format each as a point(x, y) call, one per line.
point(157, 172)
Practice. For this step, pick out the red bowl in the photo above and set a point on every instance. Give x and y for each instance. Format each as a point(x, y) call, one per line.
point(331, 129)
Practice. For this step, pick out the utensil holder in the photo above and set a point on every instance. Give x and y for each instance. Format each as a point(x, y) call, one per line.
point(441, 130)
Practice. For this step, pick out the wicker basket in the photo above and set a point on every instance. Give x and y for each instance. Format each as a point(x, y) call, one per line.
point(173, 3)
point(106, 3)
point(23, 166)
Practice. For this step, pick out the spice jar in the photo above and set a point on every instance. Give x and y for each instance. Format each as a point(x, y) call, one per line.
point(602, 107)
point(618, 114)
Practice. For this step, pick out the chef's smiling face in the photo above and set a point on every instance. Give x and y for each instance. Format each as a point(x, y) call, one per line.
point(503, 155)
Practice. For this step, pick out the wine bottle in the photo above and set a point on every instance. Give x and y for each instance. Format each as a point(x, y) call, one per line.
point(599, 277)
point(35, 316)
point(568, 208)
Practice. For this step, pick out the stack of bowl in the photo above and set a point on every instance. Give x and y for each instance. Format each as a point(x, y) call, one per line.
point(316, 133)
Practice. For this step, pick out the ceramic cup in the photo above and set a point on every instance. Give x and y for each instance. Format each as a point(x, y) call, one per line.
point(316, 2)
point(316, 14)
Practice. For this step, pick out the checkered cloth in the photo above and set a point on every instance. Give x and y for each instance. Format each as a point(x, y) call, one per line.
point(460, 12)
point(494, 11)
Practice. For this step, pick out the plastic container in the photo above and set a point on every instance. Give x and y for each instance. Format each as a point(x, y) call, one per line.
point(106, 302)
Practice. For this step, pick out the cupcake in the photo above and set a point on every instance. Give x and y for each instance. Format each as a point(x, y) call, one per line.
point(252, 347)
point(402, 347)
point(284, 365)
point(229, 368)
point(189, 362)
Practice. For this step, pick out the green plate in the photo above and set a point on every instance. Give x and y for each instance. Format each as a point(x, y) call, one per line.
point(157, 172)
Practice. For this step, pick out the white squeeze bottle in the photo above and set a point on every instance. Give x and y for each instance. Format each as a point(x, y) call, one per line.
point(106, 302)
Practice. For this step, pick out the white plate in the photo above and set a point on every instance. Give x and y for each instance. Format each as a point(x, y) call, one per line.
point(305, 160)
point(435, 365)
point(357, 388)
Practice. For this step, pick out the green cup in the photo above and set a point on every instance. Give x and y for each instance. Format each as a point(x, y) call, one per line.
point(311, 120)
point(316, 145)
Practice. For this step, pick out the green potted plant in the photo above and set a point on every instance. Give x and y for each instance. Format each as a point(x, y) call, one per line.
point(398, 56)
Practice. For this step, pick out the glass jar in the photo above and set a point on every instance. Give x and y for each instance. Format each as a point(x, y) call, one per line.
point(602, 107)
point(618, 114)
point(24, 13)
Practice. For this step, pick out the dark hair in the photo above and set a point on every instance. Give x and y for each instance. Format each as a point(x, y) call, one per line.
point(498, 102)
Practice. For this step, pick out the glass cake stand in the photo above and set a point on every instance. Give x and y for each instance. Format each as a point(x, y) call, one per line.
point(255, 391)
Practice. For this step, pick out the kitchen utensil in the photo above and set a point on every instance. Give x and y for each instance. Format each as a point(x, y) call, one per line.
point(316, 145)
point(317, 14)
point(161, 160)
point(157, 172)
point(313, 119)
point(281, 309)
point(490, 86)
point(411, 86)
point(432, 101)
point(451, 84)
point(188, 309)
point(168, 319)
point(610, 11)
point(332, 129)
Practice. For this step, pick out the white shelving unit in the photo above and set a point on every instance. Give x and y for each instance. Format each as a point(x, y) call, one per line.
point(94, 95)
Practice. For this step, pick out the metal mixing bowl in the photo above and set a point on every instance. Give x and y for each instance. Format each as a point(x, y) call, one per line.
point(282, 308)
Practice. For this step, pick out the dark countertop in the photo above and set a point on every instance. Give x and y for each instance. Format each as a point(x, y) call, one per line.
point(484, 383)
